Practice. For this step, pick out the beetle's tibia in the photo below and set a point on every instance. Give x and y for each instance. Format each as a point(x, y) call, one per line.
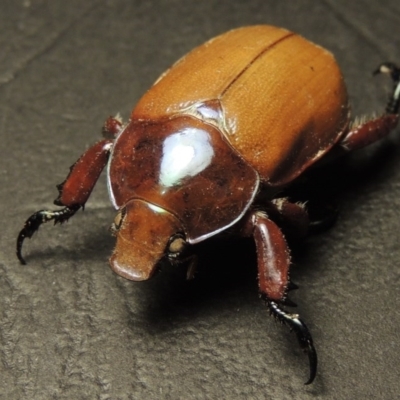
point(33, 223)
point(295, 324)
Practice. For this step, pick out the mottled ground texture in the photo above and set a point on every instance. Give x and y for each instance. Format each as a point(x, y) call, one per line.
point(71, 329)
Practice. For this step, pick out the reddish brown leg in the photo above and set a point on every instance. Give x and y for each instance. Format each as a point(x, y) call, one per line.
point(291, 217)
point(76, 189)
point(366, 132)
point(273, 279)
point(83, 175)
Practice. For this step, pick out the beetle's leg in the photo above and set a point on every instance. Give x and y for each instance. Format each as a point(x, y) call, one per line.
point(394, 72)
point(83, 175)
point(295, 324)
point(112, 127)
point(291, 217)
point(73, 192)
point(363, 133)
point(296, 220)
point(33, 223)
point(273, 279)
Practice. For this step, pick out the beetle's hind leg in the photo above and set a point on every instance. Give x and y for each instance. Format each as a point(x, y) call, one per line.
point(273, 278)
point(364, 132)
point(394, 99)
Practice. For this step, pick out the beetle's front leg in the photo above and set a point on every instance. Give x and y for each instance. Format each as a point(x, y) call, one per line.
point(273, 278)
point(73, 192)
point(33, 223)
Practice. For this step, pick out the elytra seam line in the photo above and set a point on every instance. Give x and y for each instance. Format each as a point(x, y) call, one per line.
point(262, 52)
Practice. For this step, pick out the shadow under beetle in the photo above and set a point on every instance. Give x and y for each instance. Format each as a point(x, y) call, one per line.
point(210, 147)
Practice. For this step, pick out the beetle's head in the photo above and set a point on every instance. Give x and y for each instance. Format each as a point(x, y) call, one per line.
point(145, 234)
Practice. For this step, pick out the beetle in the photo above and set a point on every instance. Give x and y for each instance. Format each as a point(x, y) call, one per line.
point(209, 149)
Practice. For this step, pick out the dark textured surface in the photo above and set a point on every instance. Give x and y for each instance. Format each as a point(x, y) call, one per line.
point(71, 329)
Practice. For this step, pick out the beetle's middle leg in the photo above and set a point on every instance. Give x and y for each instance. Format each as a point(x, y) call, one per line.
point(273, 278)
point(76, 189)
point(291, 217)
point(363, 133)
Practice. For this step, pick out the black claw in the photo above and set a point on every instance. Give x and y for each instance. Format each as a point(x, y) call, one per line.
point(295, 324)
point(306, 343)
point(292, 286)
point(33, 223)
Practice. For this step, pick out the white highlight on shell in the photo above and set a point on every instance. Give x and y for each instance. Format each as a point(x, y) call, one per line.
point(156, 209)
point(185, 154)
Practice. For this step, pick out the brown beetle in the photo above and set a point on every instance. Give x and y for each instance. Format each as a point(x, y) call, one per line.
point(212, 145)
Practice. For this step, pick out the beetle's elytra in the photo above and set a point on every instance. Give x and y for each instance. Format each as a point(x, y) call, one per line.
point(212, 145)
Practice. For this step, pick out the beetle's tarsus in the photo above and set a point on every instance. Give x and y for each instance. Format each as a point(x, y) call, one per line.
point(295, 324)
point(33, 223)
point(393, 70)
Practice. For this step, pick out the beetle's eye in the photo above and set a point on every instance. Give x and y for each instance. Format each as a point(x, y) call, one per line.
point(176, 244)
point(117, 221)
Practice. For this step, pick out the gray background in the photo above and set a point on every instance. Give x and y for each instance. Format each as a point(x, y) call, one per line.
point(71, 329)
